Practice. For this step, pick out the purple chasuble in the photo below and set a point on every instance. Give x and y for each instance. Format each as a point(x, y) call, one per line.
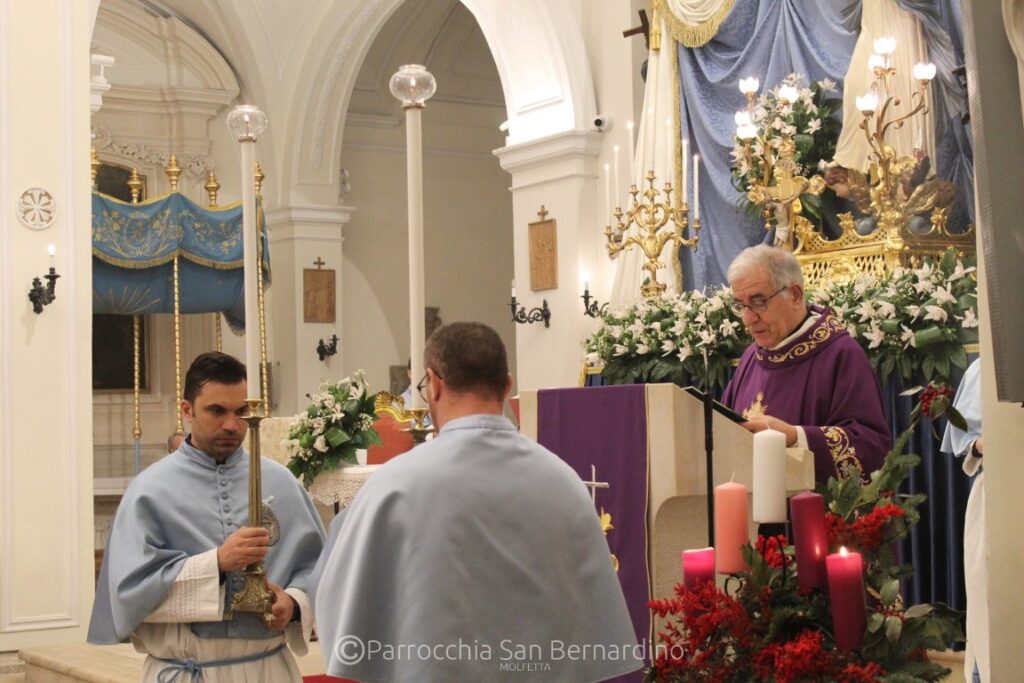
point(823, 382)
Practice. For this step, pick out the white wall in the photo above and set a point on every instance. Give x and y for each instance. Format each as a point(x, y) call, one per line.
point(45, 409)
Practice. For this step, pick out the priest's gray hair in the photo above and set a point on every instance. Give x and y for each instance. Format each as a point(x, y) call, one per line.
point(780, 264)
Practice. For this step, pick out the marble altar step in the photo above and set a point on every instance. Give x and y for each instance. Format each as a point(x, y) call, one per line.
point(84, 663)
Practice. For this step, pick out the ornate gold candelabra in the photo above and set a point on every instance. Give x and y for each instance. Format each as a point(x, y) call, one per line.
point(910, 208)
point(651, 217)
point(780, 186)
point(254, 595)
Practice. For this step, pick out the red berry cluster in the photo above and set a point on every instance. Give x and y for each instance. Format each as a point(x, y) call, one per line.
point(929, 395)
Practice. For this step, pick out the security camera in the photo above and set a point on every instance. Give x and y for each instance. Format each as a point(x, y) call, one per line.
point(603, 122)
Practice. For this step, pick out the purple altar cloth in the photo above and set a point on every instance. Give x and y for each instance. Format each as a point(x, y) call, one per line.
point(606, 428)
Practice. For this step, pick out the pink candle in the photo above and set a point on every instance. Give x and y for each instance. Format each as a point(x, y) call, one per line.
point(846, 591)
point(698, 567)
point(732, 526)
point(810, 538)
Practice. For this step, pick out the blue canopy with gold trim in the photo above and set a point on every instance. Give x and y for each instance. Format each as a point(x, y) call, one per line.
point(134, 246)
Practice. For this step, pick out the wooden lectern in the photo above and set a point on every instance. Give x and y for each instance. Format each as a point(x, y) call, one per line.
point(677, 480)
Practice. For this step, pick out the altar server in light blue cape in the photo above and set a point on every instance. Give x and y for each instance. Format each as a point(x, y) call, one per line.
point(477, 556)
point(178, 545)
point(970, 445)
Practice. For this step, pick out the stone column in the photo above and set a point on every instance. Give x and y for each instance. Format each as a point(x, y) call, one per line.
point(560, 173)
point(46, 517)
point(300, 236)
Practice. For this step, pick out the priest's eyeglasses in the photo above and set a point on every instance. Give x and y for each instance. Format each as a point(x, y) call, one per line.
point(757, 303)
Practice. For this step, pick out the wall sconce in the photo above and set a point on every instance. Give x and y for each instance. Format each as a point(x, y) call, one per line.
point(594, 309)
point(324, 350)
point(534, 315)
point(41, 296)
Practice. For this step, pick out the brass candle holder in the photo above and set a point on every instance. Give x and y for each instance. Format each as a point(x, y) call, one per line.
point(254, 596)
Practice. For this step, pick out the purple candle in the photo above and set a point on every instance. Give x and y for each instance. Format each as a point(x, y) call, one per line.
point(698, 567)
point(846, 591)
point(810, 538)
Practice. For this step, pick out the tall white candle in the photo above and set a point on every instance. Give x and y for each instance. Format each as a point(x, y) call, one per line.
point(686, 172)
point(249, 237)
point(52, 251)
point(617, 186)
point(417, 278)
point(632, 151)
point(769, 477)
point(648, 125)
point(608, 193)
point(696, 187)
point(513, 289)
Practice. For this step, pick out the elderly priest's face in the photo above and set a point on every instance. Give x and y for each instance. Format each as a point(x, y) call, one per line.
point(770, 313)
point(216, 418)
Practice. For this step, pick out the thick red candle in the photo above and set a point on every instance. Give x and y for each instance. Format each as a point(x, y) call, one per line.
point(698, 567)
point(846, 591)
point(732, 526)
point(810, 538)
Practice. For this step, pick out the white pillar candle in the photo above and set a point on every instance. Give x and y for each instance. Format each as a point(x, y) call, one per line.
point(696, 187)
point(608, 193)
point(52, 251)
point(249, 237)
point(617, 186)
point(417, 279)
point(686, 172)
point(769, 477)
point(513, 289)
point(632, 151)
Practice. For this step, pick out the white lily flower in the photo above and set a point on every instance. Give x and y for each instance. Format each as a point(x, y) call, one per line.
point(668, 346)
point(320, 444)
point(886, 309)
point(814, 126)
point(876, 335)
point(907, 337)
point(620, 350)
point(866, 311)
point(684, 352)
point(970, 319)
point(593, 358)
point(936, 313)
point(641, 349)
point(944, 296)
point(959, 271)
point(924, 286)
point(728, 328)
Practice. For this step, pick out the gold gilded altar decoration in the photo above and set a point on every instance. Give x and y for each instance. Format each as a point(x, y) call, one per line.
point(650, 218)
point(906, 203)
point(781, 137)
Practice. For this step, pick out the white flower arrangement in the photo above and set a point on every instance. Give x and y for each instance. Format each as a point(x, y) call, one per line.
point(330, 431)
point(809, 120)
point(909, 320)
point(667, 337)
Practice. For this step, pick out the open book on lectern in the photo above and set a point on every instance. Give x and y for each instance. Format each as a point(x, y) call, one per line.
point(720, 408)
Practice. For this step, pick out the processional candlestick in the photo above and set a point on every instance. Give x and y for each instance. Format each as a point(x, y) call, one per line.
point(247, 122)
point(651, 217)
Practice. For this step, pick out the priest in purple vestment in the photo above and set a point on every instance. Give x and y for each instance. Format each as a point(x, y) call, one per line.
point(804, 375)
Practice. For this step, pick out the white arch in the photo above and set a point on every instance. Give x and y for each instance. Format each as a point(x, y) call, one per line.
point(539, 52)
point(537, 46)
